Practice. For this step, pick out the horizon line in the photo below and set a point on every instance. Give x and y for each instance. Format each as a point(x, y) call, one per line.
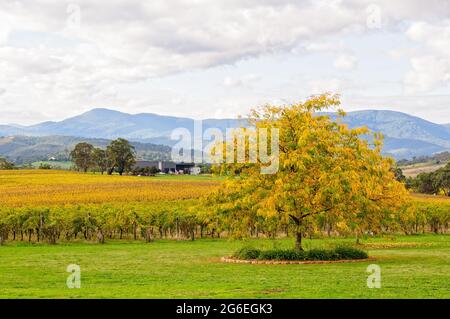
point(192, 118)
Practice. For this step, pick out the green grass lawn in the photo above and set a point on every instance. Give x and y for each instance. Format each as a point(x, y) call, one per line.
point(184, 269)
point(64, 165)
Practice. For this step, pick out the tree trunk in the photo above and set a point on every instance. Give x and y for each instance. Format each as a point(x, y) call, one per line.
point(358, 242)
point(52, 239)
point(298, 233)
point(149, 235)
point(100, 237)
point(298, 239)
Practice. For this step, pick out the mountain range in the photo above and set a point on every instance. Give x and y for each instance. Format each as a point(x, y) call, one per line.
point(447, 126)
point(109, 124)
point(406, 136)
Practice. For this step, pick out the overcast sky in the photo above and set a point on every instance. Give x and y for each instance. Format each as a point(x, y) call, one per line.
point(203, 58)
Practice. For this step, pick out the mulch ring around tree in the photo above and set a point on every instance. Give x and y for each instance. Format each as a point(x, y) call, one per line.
point(291, 262)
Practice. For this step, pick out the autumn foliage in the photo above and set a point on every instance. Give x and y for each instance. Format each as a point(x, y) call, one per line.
point(325, 168)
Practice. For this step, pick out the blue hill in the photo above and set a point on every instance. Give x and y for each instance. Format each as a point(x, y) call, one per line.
point(406, 135)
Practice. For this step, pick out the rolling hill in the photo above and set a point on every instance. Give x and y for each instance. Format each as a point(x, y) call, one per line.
point(447, 126)
point(109, 124)
point(28, 149)
point(406, 136)
point(400, 125)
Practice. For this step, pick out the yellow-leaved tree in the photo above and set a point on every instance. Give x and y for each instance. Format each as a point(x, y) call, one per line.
point(324, 168)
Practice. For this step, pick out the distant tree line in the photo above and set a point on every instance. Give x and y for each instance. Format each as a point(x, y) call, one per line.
point(45, 166)
point(119, 156)
point(436, 159)
point(5, 164)
point(437, 182)
point(145, 171)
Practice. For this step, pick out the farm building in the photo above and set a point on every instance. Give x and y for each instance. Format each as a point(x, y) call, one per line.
point(169, 167)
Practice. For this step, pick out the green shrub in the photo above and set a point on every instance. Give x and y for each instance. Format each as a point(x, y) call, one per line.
point(350, 253)
point(278, 254)
point(45, 166)
point(338, 253)
point(321, 254)
point(247, 253)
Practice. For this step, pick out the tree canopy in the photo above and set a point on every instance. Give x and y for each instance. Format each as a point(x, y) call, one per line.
point(82, 156)
point(325, 168)
point(121, 155)
point(100, 159)
point(437, 182)
point(5, 164)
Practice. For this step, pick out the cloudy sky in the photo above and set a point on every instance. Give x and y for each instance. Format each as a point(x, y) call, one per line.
point(203, 58)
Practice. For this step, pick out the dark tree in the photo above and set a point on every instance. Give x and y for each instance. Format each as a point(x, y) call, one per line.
point(399, 174)
point(425, 183)
point(437, 182)
point(82, 156)
point(442, 179)
point(4, 164)
point(121, 155)
point(153, 170)
point(100, 160)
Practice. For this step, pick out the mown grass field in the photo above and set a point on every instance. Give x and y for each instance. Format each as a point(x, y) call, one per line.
point(66, 165)
point(411, 267)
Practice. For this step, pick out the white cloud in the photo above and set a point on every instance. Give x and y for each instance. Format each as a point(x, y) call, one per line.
point(430, 69)
point(47, 64)
point(325, 85)
point(345, 62)
point(427, 74)
point(242, 81)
